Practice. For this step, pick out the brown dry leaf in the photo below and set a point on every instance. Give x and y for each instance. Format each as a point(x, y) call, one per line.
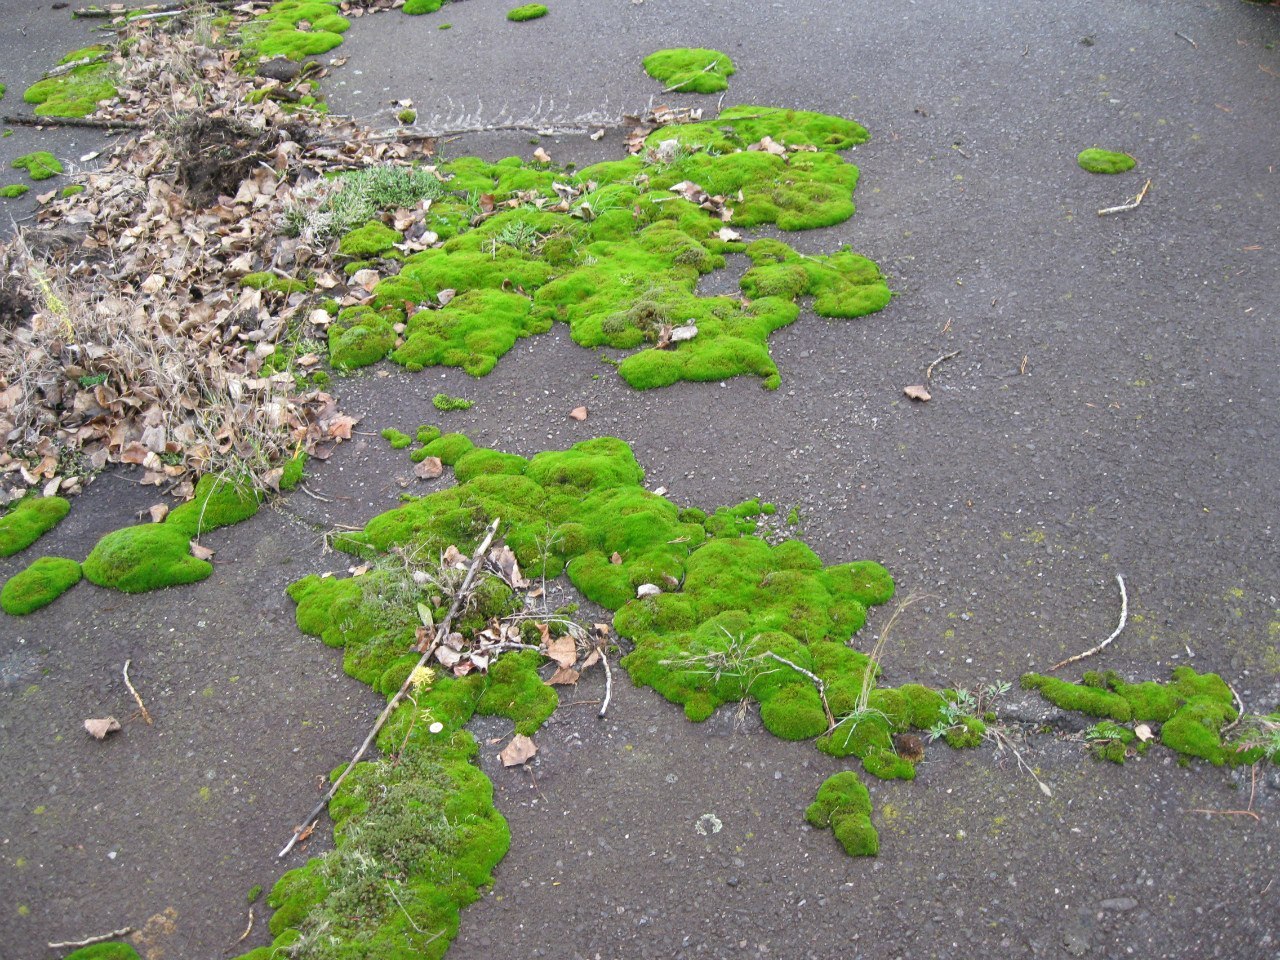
point(541, 156)
point(448, 656)
point(1143, 732)
point(507, 565)
point(562, 650)
point(201, 552)
point(340, 426)
point(592, 659)
point(159, 512)
point(727, 234)
point(99, 728)
point(917, 392)
point(578, 413)
point(428, 469)
point(616, 558)
point(520, 750)
point(564, 676)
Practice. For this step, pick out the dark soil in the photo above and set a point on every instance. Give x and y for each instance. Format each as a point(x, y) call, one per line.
point(1113, 409)
point(215, 154)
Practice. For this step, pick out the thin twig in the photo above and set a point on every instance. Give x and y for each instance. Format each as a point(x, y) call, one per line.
point(20, 121)
point(928, 374)
point(87, 941)
point(443, 631)
point(1132, 204)
point(1239, 711)
point(817, 681)
point(1003, 741)
point(1183, 36)
point(1124, 617)
point(247, 930)
point(68, 67)
point(608, 685)
point(314, 496)
point(1228, 813)
point(146, 715)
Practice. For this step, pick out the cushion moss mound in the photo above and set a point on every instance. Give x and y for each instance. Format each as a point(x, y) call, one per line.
point(529, 11)
point(40, 165)
point(38, 585)
point(621, 261)
point(690, 69)
point(104, 951)
point(28, 520)
point(13, 191)
point(844, 805)
point(77, 92)
point(1105, 161)
point(295, 29)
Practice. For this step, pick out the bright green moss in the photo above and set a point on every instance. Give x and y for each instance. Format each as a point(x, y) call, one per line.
point(13, 190)
point(739, 127)
point(418, 7)
point(1, 91)
point(1105, 161)
point(75, 93)
point(529, 11)
point(28, 520)
point(844, 805)
point(40, 165)
point(220, 500)
point(72, 190)
point(359, 337)
point(295, 29)
point(449, 447)
point(371, 240)
point(397, 439)
point(104, 951)
point(275, 284)
point(690, 69)
point(38, 585)
point(292, 470)
point(472, 332)
point(443, 402)
point(144, 557)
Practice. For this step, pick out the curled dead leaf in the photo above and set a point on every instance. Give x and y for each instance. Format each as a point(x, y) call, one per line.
point(428, 469)
point(520, 750)
point(1143, 732)
point(200, 551)
point(578, 413)
point(562, 650)
point(564, 676)
point(158, 512)
point(100, 727)
point(541, 156)
point(917, 392)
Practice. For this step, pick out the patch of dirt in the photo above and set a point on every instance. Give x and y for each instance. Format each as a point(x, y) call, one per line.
point(216, 154)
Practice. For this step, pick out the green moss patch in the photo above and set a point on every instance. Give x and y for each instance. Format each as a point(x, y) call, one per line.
point(529, 11)
point(844, 805)
point(1192, 707)
point(77, 92)
point(104, 951)
point(419, 7)
point(295, 29)
point(28, 520)
point(1105, 161)
point(38, 585)
point(690, 69)
point(13, 191)
point(72, 190)
point(40, 165)
point(369, 241)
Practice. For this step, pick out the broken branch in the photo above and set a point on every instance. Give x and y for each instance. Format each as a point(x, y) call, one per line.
point(89, 941)
point(146, 715)
point(817, 681)
point(1132, 204)
point(19, 121)
point(458, 600)
point(1124, 617)
point(928, 374)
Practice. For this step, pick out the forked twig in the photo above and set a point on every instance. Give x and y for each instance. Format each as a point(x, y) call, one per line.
point(1124, 618)
point(1132, 204)
point(146, 715)
point(442, 631)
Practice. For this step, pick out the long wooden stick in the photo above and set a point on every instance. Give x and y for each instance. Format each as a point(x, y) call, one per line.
point(20, 121)
point(1124, 617)
point(443, 631)
point(608, 685)
point(89, 941)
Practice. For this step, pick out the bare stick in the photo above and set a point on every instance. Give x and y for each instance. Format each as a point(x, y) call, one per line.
point(1194, 45)
point(314, 496)
point(18, 121)
point(87, 941)
point(247, 930)
point(817, 681)
point(1124, 617)
point(1131, 205)
point(608, 685)
point(443, 631)
point(1239, 711)
point(928, 374)
point(68, 67)
point(137, 699)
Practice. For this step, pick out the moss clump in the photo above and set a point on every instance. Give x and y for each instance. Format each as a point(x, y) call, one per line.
point(28, 520)
point(442, 402)
point(104, 951)
point(219, 501)
point(77, 92)
point(371, 240)
point(13, 190)
point(144, 557)
point(360, 336)
point(1105, 161)
point(40, 165)
point(529, 11)
point(38, 585)
point(1192, 707)
point(72, 190)
point(295, 29)
point(844, 805)
point(397, 439)
point(690, 69)
point(419, 7)
point(274, 283)
point(407, 116)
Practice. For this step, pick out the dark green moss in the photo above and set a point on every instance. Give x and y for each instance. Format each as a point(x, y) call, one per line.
point(690, 69)
point(38, 585)
point(28, 520)
point(40, 165)
point(844, 805)
point(1105, 161)
point(104, 951)
point(529, 11)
